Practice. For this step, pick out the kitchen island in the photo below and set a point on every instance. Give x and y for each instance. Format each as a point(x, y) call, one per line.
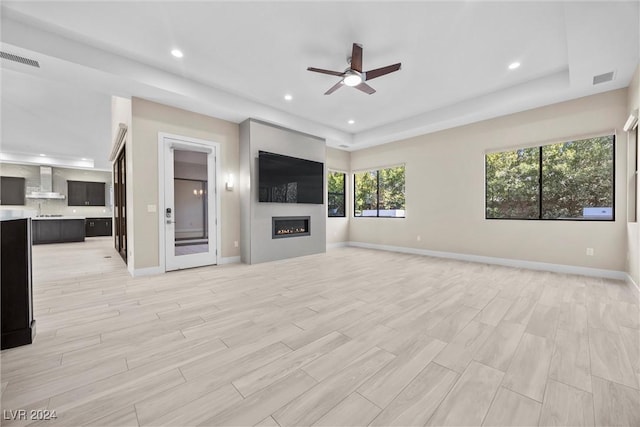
point(58, 229)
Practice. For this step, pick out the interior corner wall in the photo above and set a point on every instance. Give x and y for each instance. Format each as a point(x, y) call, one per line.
point(445, 189)
point(148, 119)
point(258, 245)
point(338, 227)
point(633, 231)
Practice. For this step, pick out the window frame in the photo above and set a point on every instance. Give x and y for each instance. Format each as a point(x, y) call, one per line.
point(344, 193)
point(540, 182)
point(377, 171)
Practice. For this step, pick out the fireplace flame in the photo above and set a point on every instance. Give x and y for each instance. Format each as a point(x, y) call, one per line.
point(291, 230)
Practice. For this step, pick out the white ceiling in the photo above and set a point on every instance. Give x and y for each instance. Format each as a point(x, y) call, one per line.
point(240, 58)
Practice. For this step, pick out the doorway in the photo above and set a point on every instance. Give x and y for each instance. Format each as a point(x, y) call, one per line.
point(190, 207)
point(120, 203)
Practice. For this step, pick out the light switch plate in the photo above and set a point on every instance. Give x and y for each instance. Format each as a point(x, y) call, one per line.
point(151, 208)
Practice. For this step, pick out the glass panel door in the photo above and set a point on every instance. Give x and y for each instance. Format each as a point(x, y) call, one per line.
point(189, 205)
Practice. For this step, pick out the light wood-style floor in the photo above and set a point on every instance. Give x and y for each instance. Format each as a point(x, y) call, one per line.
point(351, 337)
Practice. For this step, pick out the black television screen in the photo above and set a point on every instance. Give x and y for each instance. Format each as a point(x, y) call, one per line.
point(284, 179)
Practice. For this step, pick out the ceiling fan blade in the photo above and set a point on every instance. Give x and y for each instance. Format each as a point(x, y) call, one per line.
point(369, 75)
point(334, 88)
point(365, 88)
point(356, 57)
point(320, 70)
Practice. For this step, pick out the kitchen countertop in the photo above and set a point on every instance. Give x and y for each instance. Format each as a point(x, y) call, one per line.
point(45, 218)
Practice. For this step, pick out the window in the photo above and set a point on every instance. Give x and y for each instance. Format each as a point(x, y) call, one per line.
point(568, 180)
point(380, 193)
point(336, 188)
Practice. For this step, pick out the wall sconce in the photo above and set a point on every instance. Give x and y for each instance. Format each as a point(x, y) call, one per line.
point(229, 184)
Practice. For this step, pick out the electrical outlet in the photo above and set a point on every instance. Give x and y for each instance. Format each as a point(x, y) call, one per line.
point(235, 243)
point(589, 251)
point(418, 238)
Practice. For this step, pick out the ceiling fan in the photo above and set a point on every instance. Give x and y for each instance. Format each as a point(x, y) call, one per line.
point(354, 76)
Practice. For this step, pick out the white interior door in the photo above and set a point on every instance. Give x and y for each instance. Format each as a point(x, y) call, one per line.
point(189, 212)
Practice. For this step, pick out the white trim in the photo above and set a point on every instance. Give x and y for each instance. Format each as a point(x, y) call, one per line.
point(517, 263)
point(161, 178)
point(337, 245)
point(630, 280)
point(230, 260)
point(118, 142)
point(149, 271)
point(377, 168)
point(551, 141)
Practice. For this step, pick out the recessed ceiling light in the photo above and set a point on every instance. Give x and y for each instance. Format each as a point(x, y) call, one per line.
point(84, 160)
point(177, 53)
point(288, 97)
point(351, 121)
point(514, 65)
point(42, 155)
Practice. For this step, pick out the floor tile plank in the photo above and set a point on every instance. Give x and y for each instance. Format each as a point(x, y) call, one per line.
point(566, 406)
point(528, 371)
point(469, 400)
point(512, 409)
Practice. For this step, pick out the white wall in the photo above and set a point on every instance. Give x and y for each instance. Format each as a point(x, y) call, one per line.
point(445, 189)
point(148, 119)
point(633, 232)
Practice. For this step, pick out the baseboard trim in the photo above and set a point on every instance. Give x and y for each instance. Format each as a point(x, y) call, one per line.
point(630, 280)
point(230, 260)
point(517, 263)
point(337, 245)
point(149, 271)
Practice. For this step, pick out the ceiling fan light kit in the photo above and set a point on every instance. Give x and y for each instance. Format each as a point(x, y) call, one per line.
point(354, 76)
point(352, 79)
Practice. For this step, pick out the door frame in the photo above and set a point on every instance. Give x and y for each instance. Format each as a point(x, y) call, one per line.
point(215, 146)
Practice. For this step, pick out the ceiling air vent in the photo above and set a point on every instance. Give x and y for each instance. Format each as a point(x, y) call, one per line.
point(20, 59)
point(343, 146)
point(603, 78)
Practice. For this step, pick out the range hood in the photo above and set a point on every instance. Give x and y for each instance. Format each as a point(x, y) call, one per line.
point(46, 186)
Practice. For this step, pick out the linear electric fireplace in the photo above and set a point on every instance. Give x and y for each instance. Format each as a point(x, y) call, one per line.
point(290, 226)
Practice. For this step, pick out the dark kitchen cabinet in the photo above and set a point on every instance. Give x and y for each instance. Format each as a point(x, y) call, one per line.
point(46, 231)
point(58, 231)
point(72, 230)
point(12, 190)
point(83, 193)
point(18, 325)
point(98, 227)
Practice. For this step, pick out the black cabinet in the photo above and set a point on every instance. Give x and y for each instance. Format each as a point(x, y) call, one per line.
point(18, 325)
point(46, 231)
point(72, 230)
point(98, 227)
point(12, 190)
point(83, 193)
point(58, 231)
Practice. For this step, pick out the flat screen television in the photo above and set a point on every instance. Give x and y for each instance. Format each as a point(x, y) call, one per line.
point(284, 179)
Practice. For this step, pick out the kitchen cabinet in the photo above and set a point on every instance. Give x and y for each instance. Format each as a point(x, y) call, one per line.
point(18, 325)
point(12, 190)
point(98, 227)
point(83, 193)
point(58, 230)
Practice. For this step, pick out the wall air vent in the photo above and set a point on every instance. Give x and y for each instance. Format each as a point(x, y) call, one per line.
point(20, 59)
point(603, 78)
